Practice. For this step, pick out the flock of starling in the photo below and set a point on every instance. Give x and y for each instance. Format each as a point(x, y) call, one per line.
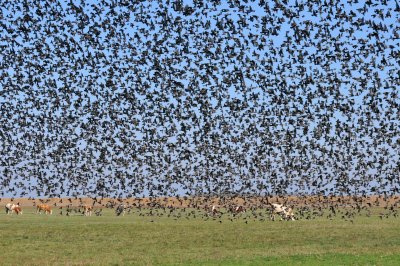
point(133, 98)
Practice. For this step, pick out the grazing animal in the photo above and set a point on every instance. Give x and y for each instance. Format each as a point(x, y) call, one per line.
point(44, 207)
point(235, 210)
point(10, 208)
point(284, 211)
point(214, 210)
point(98, 212)
point(120, 210)
point(239, 209)
point(87, 210)
point(17, 210)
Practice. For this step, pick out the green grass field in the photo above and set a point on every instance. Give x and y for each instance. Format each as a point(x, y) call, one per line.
point(33, 239)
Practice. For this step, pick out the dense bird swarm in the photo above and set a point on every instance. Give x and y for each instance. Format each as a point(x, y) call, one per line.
point(131, 98)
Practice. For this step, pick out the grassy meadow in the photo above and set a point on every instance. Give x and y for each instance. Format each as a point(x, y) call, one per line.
point(32, 239)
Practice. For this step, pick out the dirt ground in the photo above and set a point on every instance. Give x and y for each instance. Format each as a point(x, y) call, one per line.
point(185, 202)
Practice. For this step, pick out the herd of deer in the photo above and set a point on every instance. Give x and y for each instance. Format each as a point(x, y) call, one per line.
point(285, 212)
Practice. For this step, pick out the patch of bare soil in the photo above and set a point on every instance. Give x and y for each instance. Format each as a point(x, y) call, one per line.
point(200, 202)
